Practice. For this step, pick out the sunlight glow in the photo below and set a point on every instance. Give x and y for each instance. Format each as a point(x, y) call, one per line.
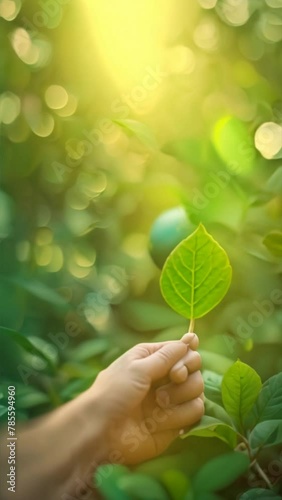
point(130, 36)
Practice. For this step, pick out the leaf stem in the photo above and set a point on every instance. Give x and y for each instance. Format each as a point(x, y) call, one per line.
point(191, 326)
point(260, 472)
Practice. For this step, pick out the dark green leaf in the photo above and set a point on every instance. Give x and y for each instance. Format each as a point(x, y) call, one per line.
point(25, 343)
point(267, 433)
point(3, 410)
point(269, 403)
point(261, 493)
point(221, 472)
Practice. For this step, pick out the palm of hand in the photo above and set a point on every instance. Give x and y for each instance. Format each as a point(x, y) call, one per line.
point(143, 433)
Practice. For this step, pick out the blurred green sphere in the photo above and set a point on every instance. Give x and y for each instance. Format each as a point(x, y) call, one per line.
point(171, 227)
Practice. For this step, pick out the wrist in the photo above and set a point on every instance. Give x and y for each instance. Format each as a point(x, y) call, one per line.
point(84, 426)
point(68, 445)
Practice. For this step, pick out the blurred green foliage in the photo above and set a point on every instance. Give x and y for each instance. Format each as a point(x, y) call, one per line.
point(82, 183)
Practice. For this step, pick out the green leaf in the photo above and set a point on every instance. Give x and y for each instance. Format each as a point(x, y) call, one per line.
point(273, 242)
point(34, 398)
point(212, 382)
point(196, 275)
point(214, 428)
point(268, 405)
point(267, 433)
point(215, 362)
point(42, 292)
point(261, 493)
point(105, 480)
point(26, 344)
point(234, 144)
point(221, 472)
point(88, 349)
point(215, 410)
point(75, 387)
point(274, 183)
point(145, 316)
point(240, 388)
point(140, 130)
point(142, 487)
point(3, 410)
point(208, 496)
point(176, 483)
point(195, 152)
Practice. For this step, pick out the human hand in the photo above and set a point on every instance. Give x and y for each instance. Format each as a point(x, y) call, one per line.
point(132, 412)
point(146, 397)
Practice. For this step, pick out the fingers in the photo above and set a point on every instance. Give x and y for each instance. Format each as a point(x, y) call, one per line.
point(157, 363)
point(191, 362)
point(177, 394)
point(183, 415)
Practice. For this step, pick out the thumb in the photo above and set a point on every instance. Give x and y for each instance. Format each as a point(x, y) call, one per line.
point(159, 363)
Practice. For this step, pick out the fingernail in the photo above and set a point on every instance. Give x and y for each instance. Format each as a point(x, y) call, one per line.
point(183, 339)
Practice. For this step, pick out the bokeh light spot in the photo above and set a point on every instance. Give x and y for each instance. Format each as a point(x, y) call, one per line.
point(206, 35)
point(9, 9)
point(235, 12)
point(268, 140)
point(207, 4)
point(56, 97)
point(44, 236)
point(10, 106)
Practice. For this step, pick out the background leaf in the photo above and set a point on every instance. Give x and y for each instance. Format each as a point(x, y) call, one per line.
point(273, 242)
point(261, 493)
point(233, 144)
point(268, 405)
point(267, 433)
point(141, 487)
point(26, 344)
point(140, 130)
point(212, 427)
point(240, 388)
point(221, 472)
point(196, 275)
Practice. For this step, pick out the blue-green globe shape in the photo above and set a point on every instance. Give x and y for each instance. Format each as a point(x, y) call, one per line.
point(171, 227)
